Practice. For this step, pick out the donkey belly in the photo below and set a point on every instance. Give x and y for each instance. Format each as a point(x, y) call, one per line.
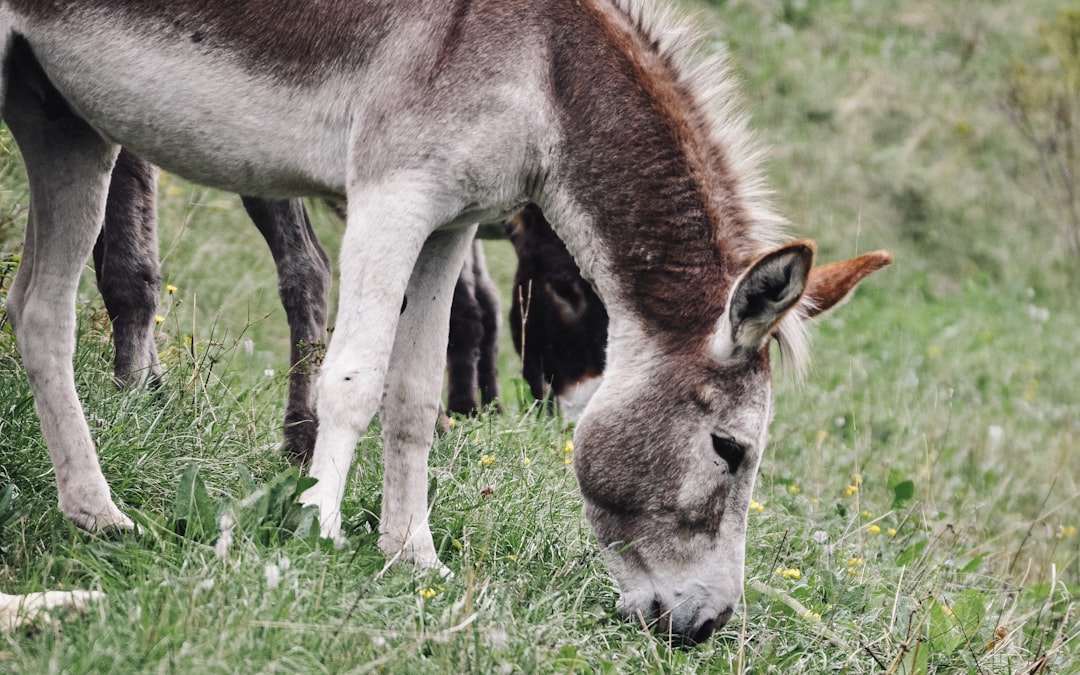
point(204, 119)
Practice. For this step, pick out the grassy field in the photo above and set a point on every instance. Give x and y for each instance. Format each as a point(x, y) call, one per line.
point(917, 508)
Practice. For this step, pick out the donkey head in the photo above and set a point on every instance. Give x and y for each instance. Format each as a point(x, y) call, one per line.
point(669, 447)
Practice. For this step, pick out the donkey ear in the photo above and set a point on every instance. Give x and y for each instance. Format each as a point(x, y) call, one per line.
point(765, 294)
point(830, 284)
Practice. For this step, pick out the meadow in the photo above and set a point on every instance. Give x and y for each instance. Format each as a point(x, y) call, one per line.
point(917, 509)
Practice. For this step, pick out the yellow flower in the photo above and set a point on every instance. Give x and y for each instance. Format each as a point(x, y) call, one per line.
point(850, 490)
point(569, 447)
point(821, 436)
point(857, 479)
point(874, 530)
point(789, 572)
point(933, 351)
point(892, 531)
point(567, 461)
point(756, 506)
point(1067, 531)
point(526, 461)
point(793, 489)
point(487, 460)
point(855, 562)
point(427, 593)
point(812, 616)
point(159, 319)
point(452, 421)
point(945, 610)
point(867, 514)
point(170, 289)
point(814, 501)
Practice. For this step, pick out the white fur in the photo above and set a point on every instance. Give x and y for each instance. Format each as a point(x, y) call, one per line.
point(19, 610)
point(573, 400)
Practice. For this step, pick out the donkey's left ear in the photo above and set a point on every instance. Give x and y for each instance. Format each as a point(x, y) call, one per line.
point(763, 296)
point(829, 285)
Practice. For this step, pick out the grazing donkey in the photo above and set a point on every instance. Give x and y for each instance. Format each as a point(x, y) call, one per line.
point(557, 322)
point(426, 118)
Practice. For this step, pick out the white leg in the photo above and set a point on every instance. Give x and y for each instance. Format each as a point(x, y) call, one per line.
point(18, 610)
point(68, 167)
point(411, 403)
point(387, 227)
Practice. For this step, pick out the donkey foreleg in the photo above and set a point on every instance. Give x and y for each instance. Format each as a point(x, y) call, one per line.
point(127, 268)
point(67, 166)
point(304, 279)
point(411, 403)
point(381, 245)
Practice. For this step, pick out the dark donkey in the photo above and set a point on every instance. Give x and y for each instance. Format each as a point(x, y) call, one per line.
point(425, 118)
point(557, 322)
point(129, 277)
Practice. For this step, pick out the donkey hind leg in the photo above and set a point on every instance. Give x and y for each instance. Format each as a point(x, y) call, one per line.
point(463, 348)
point(127, 268)
point(382, 243)
point(304, 279)
point(487, 295)
point(411, 402)
point(68, 167)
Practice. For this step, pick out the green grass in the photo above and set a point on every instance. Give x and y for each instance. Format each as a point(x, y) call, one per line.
point(916, 509)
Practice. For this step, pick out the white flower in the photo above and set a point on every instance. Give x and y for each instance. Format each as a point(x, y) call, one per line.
point(272, 574)
point(225, 539)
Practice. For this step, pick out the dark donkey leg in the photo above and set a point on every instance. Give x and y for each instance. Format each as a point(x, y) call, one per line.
point(127, 268)
point(466, 335)
point(487, 297)
point(304, 278)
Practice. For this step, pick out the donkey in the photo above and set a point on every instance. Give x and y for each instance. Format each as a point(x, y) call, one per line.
point(557, 322)
point(426, 118)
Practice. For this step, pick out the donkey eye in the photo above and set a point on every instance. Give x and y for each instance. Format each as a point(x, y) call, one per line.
point(730, 451)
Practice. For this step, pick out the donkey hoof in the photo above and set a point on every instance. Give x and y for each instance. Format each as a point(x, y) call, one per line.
point(107, 520)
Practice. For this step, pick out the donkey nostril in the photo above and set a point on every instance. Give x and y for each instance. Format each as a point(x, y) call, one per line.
point(702, 634)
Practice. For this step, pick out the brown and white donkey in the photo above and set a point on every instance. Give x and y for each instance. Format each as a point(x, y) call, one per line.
point(426, 118)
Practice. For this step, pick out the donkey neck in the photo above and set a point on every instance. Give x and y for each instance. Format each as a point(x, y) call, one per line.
point(639, 170)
